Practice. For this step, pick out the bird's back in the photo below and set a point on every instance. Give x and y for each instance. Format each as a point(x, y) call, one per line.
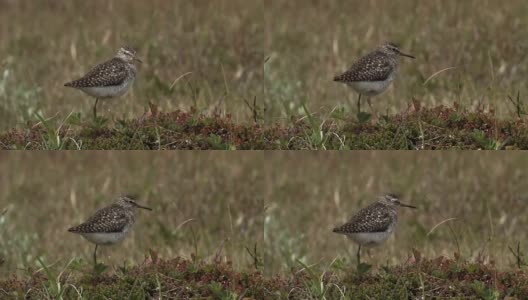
point(110, 219)
point(110, 73)
point(373, 218)
point(375, 66)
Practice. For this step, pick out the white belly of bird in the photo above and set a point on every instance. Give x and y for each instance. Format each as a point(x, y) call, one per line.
point(105, 238)
point(109, 91)
point(370, 88)
point(369, 239)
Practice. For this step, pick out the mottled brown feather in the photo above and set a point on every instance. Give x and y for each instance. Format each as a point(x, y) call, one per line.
point(109, 73)
point(373, 218)
point(112, 218)
point(375, 66)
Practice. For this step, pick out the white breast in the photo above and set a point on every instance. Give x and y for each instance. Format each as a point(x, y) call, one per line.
point(105, 238)
point(109, 91)
point(370, 239)
point(370, 88)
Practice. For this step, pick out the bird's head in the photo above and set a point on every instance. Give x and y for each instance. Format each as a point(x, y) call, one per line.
point(393, 50)
point(128, 54)
point(130, 202)
point(393, 200)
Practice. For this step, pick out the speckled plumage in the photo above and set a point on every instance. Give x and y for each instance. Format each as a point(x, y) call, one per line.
point(373, 224)
point(110, 224)
point(378, 65)
point(115, 218)
point(373, 73)
point(112, 78)
point(376, 217)
point(375, 66)
point(109, 73)
point(113, 72)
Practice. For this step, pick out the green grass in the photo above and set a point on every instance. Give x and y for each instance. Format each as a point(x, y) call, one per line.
point(473, 57)
point(437, 278)
point(267, 217)
point(260, 63)
point(154, 278)
point(178, 278)
point(468, 202)
point(418, 128)
point(191, 57)
point(205, 205)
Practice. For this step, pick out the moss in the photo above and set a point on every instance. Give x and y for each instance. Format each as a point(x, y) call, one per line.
point(435, 128)
point(149, 280)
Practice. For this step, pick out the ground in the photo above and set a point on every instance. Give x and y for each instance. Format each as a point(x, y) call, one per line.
point(256, 76)
point(155, 278)
point(418, 128)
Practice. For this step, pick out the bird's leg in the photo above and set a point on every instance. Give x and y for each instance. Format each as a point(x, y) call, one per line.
point(358, 255)
point(371, 109)
point(95, 108)
point(95, 256)
point(359, 104)
point(369, 253)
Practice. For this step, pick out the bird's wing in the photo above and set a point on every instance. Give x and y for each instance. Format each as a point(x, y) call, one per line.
point(371, 67)
point(106, 220)
point(368, 219)
point(109, 73)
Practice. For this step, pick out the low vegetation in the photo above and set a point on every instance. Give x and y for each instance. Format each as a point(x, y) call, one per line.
point(418, 278)
point(260, 61)
point(417, 128)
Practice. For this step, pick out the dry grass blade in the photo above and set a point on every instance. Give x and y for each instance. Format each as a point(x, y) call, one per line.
point(437, 73)
point(437, 225)
point(178, 79)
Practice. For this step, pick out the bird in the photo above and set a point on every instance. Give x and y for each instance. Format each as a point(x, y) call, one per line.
point(109, 225)
point(372, 225)
point(373, 73)
point(112, 78)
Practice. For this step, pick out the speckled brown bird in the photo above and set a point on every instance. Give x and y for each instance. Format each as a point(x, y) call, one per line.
point(372, 225)
point(110, 224)
point(112, 78)
point(373, 73)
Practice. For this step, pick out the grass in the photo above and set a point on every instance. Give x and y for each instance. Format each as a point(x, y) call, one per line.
point(178, 278)
point(191, 57)
point(200, 209)
point(459, 57)
point(227, 225)
point(468, 203)
point(258, 63)
point(418, 128)
point(154, 278)
point(419, 277)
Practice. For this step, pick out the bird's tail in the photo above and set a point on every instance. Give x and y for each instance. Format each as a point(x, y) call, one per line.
point(73, 229)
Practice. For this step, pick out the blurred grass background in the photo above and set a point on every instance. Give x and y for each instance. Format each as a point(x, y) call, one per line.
point(46, 193)
point(308, 194)
point(209, 54)
point(309, 42)
point(44, 44)
point(304, 195)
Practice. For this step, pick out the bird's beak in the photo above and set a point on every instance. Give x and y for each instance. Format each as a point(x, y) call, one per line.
point(138, 60)
point(406, 205)
point(144, 207)
point(407, 55)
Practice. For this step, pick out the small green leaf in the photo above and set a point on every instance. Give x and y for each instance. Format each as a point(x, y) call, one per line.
point(363, 117)
point(363, 268)
point(100, 268)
